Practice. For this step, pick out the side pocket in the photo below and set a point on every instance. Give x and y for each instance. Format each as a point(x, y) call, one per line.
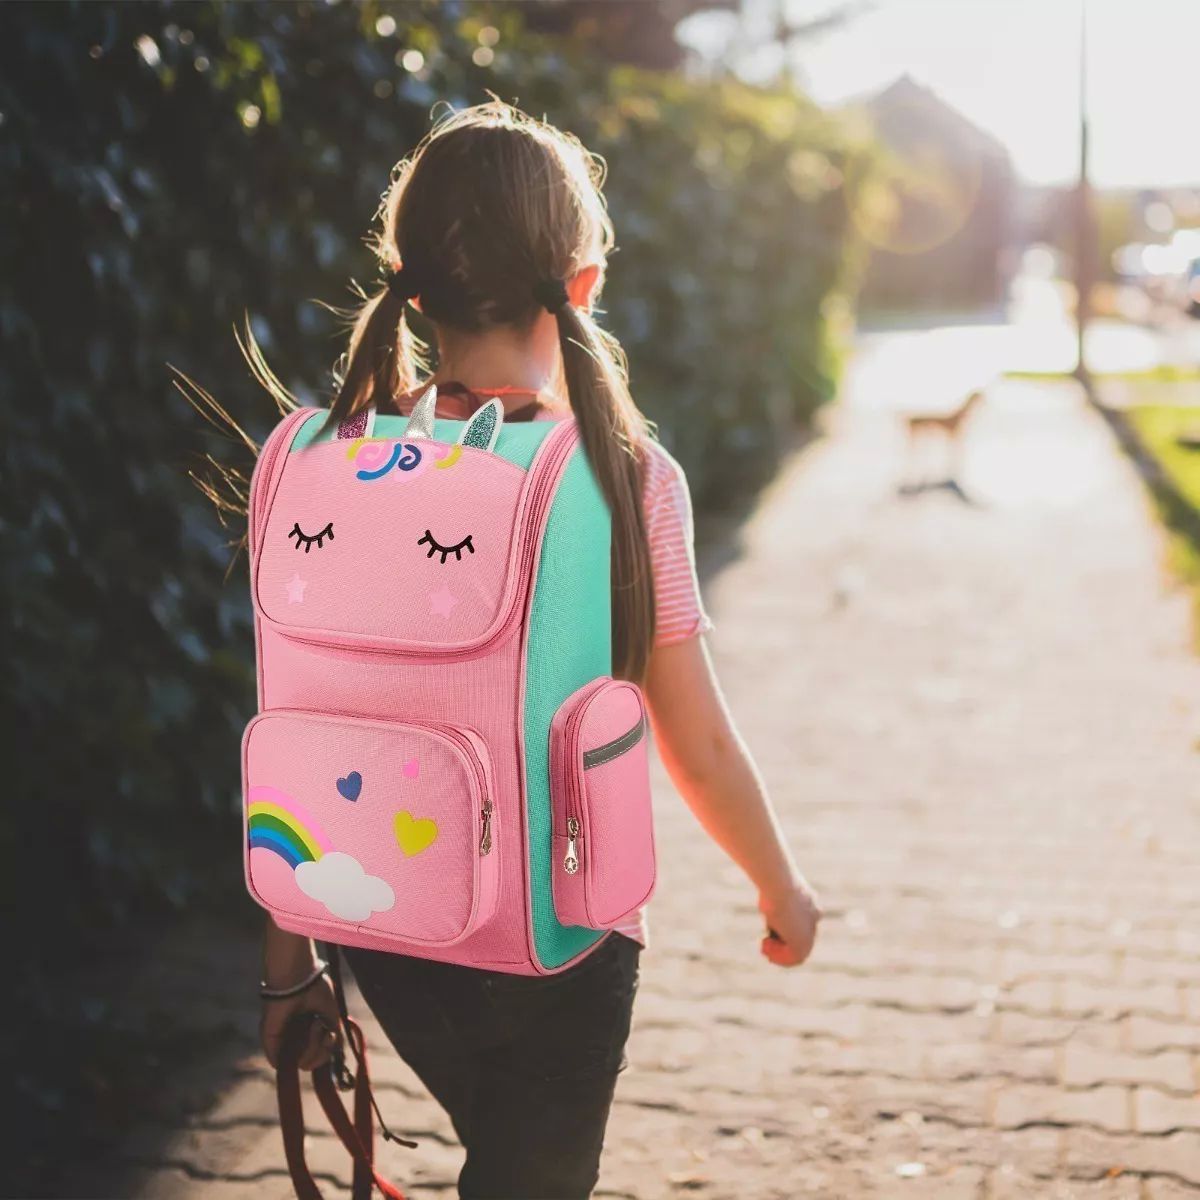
point(603, 845)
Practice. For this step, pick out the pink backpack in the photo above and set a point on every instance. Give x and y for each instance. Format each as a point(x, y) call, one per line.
point(441, 764)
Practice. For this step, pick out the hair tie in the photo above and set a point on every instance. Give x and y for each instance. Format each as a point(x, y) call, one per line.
point(551, 294)
point(402, 284)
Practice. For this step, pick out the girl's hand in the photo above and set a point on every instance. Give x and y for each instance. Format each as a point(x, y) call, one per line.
point(318, 997)
point(792, 919)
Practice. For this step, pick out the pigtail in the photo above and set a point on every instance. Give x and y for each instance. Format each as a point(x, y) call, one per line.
point(614, 434)
point(379, 362)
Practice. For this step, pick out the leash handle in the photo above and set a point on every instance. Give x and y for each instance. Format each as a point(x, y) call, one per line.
point(341, 1073)
point(358, 1136)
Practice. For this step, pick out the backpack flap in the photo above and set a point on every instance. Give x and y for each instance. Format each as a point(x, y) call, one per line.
point(442, 530)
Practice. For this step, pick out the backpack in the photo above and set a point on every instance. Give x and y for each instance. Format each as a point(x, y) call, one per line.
point(441, 764)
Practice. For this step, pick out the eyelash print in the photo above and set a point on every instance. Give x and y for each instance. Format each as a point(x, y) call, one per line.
point(305, 540)
point(446, 551)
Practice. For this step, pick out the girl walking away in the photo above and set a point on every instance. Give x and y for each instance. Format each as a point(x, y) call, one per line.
point(495, 230)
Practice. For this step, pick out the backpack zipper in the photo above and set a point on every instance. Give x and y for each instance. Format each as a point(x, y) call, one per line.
point(283, 434)
point(485, 840)
point(571, 862)
point(600, 755)
point(574, 804)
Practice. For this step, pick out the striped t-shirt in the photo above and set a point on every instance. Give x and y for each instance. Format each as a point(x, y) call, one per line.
point(679, 610)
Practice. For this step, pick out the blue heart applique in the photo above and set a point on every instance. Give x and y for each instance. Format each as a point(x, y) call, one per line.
point(350, 787)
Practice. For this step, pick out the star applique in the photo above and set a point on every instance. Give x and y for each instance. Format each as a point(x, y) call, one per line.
point(295, 589)
point(442, 602)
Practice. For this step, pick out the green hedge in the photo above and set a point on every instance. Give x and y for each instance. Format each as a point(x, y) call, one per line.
point(168, 167)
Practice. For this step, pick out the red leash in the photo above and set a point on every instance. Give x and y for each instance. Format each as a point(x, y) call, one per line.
point(358, 1136)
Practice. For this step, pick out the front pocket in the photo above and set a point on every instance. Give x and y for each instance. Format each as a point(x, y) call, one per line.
point(380, 826)
point(603, 844)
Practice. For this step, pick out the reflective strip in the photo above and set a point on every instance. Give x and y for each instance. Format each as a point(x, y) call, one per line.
point(615, 748)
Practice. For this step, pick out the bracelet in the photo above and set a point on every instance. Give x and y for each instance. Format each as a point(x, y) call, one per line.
point(270, 993)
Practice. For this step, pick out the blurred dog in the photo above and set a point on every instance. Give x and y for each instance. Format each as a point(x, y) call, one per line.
point(950, 423)
point(950, 427)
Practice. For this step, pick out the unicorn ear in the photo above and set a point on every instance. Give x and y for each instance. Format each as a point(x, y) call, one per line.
point(420, 422)
point(482, 430)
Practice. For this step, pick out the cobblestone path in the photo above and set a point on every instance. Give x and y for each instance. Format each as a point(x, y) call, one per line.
point(979, 723)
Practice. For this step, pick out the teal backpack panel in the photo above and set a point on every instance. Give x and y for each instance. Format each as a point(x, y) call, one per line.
point(570, 643)
point(517, 442)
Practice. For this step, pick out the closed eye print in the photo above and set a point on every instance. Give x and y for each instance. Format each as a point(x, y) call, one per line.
point(445, 551)
point(307, 540)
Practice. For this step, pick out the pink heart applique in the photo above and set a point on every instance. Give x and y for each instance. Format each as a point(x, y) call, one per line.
point(412, 768)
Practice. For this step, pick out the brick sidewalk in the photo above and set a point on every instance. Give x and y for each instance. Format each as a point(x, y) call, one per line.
point(975, 721)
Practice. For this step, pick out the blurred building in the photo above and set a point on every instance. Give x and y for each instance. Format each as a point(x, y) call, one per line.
point(948, 242)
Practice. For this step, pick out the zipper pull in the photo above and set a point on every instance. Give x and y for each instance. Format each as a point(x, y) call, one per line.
point(571, 862)
point(485, 842)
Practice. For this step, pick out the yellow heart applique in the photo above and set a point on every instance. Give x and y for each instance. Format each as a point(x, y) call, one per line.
point(414, 834)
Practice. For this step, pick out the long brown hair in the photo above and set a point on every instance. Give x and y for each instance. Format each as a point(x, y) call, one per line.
point(492, 204)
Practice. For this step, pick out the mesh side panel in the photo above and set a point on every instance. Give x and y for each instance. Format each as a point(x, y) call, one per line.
point(518, 442)
point(570, 642)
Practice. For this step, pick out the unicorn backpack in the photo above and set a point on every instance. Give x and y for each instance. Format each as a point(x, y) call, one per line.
point(441, 764)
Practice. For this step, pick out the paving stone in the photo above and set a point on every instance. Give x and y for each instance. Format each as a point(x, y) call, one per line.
point(1089, 1154)
point(1168, 1189)
point(1084, 1065)
point(1083, 997)
point(1039, 997)
point(988, 1060)
point(1150, 1033)
point(175, 1182)
point(1158, 1112)
point(1012, 1185)
point(1138, 971)
point(1107, 1107)
point(1020, 1029)
point(1016, 963)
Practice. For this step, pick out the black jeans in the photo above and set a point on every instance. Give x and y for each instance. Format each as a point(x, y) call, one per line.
point(524, 1065)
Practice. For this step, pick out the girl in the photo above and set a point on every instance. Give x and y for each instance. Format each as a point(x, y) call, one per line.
point(495, 229)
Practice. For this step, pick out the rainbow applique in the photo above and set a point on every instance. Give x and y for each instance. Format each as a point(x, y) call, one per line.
point(333, 878)
point(279, 823)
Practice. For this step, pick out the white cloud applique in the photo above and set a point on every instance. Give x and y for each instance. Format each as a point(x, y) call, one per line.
point(339, 882)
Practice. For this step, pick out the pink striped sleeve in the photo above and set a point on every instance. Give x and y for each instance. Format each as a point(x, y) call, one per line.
point(679, 608)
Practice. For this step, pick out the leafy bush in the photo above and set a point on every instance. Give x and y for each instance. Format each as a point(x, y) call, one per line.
point(733, 215)
point(170, 166)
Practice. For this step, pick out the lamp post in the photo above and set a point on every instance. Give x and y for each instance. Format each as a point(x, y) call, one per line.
point(1084, 240)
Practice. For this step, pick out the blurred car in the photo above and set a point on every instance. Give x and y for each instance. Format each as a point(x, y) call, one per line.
point(1192, 285)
